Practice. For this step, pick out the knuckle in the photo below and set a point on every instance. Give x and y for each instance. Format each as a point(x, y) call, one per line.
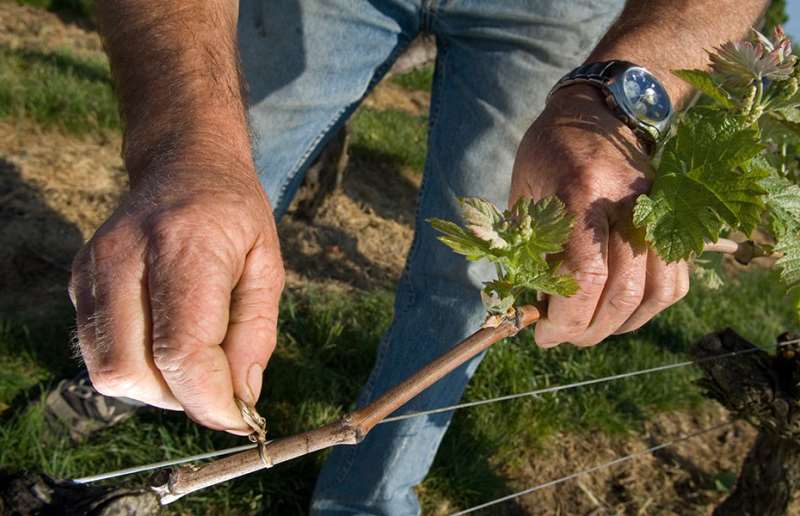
point(165, 231)
point(171, 353)
point(106, 247)
point(114, 382)
point(592, 277)
point(666, 296)
point(628, 299)
point(572, 328)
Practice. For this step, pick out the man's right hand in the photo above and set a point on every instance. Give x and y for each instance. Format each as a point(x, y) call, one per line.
point(177, 294)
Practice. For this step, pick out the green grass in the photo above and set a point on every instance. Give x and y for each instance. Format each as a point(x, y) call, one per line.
point(328, 340)
point(325, 352)
point(389, 136)
point(57, 90)
point(81, 9)
point(420, 79)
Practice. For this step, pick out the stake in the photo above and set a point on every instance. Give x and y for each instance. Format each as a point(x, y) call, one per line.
point(171, 485)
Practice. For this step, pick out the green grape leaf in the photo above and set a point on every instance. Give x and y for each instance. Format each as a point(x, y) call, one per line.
point(704, 82)
point(495, 304)
point(483, 220)
point(789, 263)
point(550, 281)
point(708, 270)
point(518, 241)
point(783, 205)
point(707, 277)
point(789, 125)
point(739, 190)
point(704, 180)
point(679, 215)
point(543, 227)
point(460, 240)
point(707, 137)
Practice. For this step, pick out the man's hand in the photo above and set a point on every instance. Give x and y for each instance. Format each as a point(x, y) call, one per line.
point(177, 294)
point(578, 150)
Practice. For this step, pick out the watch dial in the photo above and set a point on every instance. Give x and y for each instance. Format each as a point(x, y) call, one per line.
point(645, 96)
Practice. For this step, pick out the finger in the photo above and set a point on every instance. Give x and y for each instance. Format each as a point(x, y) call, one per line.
point(113, 319)
point(190, 291)
point(665, 285)
point(585, 258)
point(252, 328)
point(624, 290)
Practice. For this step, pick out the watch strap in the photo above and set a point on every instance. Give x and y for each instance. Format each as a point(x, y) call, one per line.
point(600, 74)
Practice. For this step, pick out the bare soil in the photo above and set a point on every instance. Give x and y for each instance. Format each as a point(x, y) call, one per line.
point(55, 190)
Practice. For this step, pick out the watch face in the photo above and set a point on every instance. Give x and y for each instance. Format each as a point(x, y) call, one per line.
point(644, 96)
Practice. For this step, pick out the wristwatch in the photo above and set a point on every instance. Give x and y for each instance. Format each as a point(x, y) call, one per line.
point(634, 95)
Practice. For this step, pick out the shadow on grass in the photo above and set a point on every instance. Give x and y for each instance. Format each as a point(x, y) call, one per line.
point(70, 12)
point(57, 89)
point(376, 179)
point(463, 473)
point(36, 248)
point(65, 63)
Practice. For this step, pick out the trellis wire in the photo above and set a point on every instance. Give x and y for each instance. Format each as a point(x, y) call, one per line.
point(535, 392)
point(618, 460)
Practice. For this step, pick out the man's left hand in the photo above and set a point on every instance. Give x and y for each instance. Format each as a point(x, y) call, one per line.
point(579, 151)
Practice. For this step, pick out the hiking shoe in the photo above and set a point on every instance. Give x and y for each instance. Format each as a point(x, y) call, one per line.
point(76, 405)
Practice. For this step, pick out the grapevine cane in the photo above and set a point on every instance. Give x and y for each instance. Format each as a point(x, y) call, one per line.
point(352, 428)
point(727, 183)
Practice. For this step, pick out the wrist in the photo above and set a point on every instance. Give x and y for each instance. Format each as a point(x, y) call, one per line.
point(188, 149)
point(586, 105)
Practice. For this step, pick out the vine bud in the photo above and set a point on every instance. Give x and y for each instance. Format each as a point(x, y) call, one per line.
point(748, 100)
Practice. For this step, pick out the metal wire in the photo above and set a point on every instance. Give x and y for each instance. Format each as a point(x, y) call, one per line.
point(592, 469)
point(535, 392)
point(162, 464)
point(584, 383)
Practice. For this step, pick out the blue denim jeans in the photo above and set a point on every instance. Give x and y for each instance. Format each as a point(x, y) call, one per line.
point(308, 64)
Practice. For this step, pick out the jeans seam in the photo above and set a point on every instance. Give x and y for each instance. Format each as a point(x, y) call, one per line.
point(348, 462)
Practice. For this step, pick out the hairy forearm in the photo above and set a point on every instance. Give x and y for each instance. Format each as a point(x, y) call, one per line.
point(663, 35)
point(176, 71)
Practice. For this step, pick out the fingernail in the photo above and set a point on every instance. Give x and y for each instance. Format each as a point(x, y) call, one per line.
point(237, 431)
point(255, 376)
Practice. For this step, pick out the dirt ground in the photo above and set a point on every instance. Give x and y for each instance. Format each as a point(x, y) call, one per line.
point(55, 190)
point(677, 480)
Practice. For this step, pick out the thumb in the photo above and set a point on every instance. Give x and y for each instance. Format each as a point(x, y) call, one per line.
point(252, 327)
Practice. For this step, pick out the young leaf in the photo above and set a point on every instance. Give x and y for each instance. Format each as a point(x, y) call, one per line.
point(483, 220)
point(704, 82)
point(518, 242)
point(707, 270)
point(789, 263)
point(791, 126)
point(739, 190)
point(679, 216)
point(494, 304)
point(459, 240)
point(549, 281)
point(709, 137)
point(551, 225)
point(704, 179)
point(783, 205)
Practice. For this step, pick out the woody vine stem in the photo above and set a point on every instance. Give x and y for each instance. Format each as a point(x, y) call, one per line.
point(723, 168)
point(351, 429)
